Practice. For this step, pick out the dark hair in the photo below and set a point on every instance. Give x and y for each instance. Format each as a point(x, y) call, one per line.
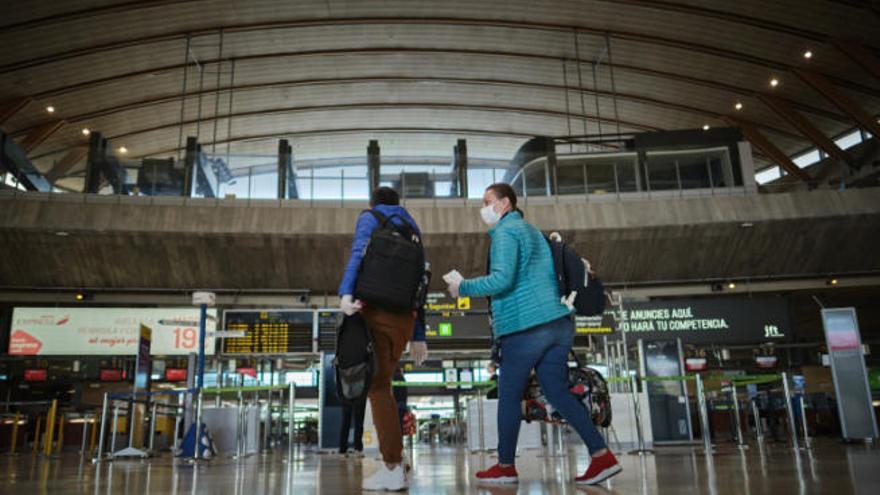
point(503, 190)
point(384, 196)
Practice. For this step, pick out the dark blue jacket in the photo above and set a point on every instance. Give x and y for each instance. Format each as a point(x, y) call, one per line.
point(366, 223)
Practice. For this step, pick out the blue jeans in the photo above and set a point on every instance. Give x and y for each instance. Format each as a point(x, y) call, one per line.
point(545, 348)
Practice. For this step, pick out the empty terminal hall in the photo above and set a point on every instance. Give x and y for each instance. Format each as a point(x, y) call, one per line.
point(489, 247)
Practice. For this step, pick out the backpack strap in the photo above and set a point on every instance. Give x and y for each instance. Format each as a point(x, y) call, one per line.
point(557, 252)
point(383, 221)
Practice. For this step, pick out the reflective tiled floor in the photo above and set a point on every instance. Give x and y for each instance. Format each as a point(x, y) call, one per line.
point(829, 467)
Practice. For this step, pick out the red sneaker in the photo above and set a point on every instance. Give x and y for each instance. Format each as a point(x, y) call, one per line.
point(498, 474)
point(601, 468)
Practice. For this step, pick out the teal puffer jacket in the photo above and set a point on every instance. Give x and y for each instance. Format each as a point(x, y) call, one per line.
point(521, 281)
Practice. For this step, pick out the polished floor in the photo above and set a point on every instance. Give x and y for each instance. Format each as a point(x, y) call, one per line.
point(828, 467)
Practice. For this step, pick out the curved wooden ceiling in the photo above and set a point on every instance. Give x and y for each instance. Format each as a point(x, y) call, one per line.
point(418, 74)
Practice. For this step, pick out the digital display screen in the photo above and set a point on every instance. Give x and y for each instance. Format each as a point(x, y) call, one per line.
point(272, 332)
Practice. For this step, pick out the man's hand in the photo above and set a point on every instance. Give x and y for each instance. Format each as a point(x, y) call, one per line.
point(418, 350)
point(349, 306)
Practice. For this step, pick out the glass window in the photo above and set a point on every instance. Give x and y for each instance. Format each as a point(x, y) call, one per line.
point(358, 188)
point(849, 140)
point(238, 186)
point(536, 179)
point(661, 172)
point(424, 377)
point(264, 185)
point(807, 159)
point(481, 178)
point(767, 175)
point(694, 172)
point(570, 178)
point(600, 176)
point(301, 378)
point(626, 175)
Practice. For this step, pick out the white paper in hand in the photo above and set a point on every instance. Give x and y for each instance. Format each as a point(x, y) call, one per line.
point(453, 277)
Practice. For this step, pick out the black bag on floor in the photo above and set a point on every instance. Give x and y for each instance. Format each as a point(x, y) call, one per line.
point(355, 361)
point(393, 266)
point(573, 276)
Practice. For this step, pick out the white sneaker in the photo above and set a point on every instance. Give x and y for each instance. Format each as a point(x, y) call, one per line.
point(387, 479)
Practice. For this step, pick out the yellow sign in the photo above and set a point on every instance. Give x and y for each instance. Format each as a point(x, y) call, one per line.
point(146, 332)
point(590, 330)
point(464, 303)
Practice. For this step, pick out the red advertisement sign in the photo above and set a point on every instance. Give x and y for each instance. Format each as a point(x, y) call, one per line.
point(247, 371)
point(111, 375)
point(175, 374)
point(36, 375)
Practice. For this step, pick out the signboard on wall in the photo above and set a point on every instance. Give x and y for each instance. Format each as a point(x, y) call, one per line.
point(735, 320)
point(106, 331)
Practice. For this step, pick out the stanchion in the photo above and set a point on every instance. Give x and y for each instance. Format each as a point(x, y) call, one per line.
point(114, 429)
point(49, 437)
point(178, 420)
point(15, 433)
point(59, 443)
point(198, 442)
point(740, 440)
point(759, 430)
point(704, 416)
point(291, 411)
point(152, 430)
point(789, 410)
point(37, 434)
point(804, 421)
point(85, 435)
point(268, 424)
point(239, 426)
point(480, 418)
point(105, 407)
point(93, 436)
point(637, 416)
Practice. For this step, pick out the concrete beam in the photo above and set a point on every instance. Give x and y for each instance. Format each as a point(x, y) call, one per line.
point(67, 162)
point(9, 108)
point(767, 148)
point(840, 100)
point(806, 128)
point(858, 54)
point(40, 134)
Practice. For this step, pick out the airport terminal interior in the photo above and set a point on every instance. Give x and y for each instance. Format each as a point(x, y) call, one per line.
point(180, 182)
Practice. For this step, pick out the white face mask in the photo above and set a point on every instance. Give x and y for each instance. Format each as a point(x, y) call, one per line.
point(489, 215)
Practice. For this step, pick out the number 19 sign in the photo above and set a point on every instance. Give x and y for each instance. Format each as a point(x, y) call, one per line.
point(106, 331)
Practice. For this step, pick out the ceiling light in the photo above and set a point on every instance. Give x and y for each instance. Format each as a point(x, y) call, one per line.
point(123, 150)
point(731, 286)
point(808, 54)
point(50, 109)
point(774, 82)
point(62, 233)
point(86, 131)
point(832, 281)
point(738, 106)
point(706, 127)
point(747, 225)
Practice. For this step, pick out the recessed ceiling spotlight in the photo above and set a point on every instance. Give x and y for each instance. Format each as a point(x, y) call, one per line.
point(706, 127)
point(50, 109)
point(731, 286)
point(808, 54)
point(123, 150)
point(738, 106)
point(86, 131)
point(774, 82)
point(747, 225)
point(832, 281)
point(62, 233)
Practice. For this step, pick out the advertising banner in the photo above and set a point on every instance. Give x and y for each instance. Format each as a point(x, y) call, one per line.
point(107, 331)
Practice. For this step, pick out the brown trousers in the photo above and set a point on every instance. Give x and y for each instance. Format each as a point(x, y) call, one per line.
point(391, 332)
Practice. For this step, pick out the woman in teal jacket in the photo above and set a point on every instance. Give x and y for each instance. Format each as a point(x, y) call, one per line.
point(535, 330)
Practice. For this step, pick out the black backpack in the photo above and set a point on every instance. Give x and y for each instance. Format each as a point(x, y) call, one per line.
point(586, 384)
point(392, 271)
point(355, 361)
point(572, 275)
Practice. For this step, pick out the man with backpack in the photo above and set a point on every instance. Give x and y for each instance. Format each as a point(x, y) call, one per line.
point(384, 273)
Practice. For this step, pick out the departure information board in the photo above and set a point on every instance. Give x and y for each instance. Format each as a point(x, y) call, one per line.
point(268, 332)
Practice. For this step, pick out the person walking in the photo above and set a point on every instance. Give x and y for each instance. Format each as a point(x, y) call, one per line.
point(391, 332)
point(535, 329)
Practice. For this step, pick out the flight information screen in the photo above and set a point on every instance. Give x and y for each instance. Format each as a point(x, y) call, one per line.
point(268, 332)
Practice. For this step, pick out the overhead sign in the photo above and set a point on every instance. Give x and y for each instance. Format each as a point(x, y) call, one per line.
point(106, 331)
point(268, 331)
point(738, 320)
